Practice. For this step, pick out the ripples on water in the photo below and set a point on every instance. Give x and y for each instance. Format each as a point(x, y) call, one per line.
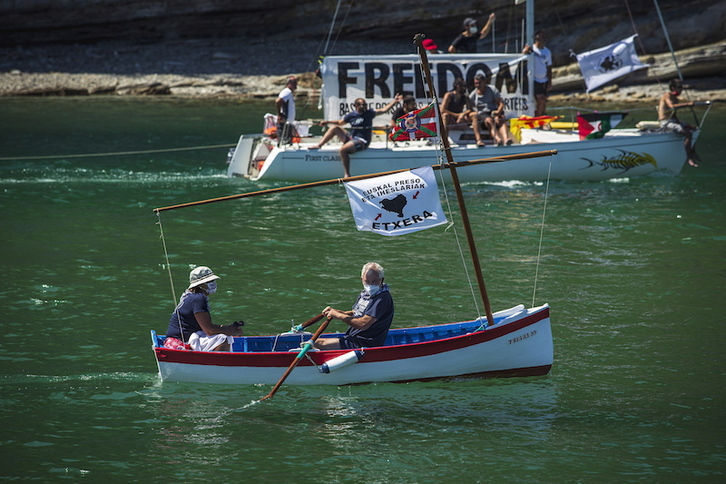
point(631, 268)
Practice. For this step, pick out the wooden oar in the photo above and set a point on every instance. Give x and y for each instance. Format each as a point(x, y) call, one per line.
point(306, 347)
point(309, 322)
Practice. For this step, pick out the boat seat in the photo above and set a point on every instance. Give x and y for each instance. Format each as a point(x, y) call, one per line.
point(648, 125)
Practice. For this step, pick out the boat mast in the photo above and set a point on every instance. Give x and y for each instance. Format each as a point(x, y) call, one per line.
point(451, 165)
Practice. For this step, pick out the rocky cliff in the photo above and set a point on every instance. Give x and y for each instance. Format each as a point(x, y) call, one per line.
point(577, 25)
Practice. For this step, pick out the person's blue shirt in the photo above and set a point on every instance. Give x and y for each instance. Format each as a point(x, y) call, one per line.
point(379, 306)
point(361, 124)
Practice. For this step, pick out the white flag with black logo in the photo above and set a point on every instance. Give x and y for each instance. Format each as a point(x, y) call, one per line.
point(396, 204)
point(605, 64)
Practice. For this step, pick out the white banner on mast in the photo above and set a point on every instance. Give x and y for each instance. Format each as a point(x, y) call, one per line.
point(396, 204)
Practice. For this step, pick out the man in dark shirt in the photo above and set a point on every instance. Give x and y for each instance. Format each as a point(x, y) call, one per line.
point(361, 128)
point(465, 43)
point(371, 316)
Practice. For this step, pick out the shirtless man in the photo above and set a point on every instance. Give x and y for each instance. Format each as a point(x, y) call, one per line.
point(667, 106)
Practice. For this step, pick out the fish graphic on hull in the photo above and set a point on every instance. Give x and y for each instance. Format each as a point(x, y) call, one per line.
point(625, 161)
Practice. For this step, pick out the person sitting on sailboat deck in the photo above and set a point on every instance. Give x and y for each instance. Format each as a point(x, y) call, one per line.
point(466, 41)
point(488, 112)
point(371, 316)
point(667, 106)
point(191, 320)
point(408, 104)
point(457, 107)
point(361, 124)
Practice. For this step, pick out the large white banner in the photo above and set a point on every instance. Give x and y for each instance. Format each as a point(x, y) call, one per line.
point(396, 204)
point(378, 79)
point(605, 64)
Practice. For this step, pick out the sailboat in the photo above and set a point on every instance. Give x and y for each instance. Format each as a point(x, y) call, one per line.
point(620, 153)
point(516, 341)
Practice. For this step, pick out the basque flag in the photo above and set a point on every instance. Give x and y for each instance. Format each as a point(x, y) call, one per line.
point(595, 125)
point(416, 125)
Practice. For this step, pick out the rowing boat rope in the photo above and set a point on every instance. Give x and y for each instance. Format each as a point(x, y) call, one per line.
point(171, 278)
point(541, 233)
point(115, 153)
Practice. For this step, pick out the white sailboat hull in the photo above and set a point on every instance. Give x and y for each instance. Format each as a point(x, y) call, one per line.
point(620, 154)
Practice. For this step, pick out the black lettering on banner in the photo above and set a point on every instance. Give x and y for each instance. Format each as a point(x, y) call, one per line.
point(421, 88)
point(345, 108)
point(344, 79)
point(400, 80)
point(474, 69)
point(372, 80)
point(442, 69)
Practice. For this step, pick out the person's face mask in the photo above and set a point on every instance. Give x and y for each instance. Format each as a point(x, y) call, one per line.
point(371, 289)
point(473, 29)
point(211, 287)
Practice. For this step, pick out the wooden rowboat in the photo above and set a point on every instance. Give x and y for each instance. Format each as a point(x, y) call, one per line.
point(519, 343)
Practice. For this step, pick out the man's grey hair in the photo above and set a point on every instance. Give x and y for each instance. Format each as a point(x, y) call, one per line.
point(372, 266)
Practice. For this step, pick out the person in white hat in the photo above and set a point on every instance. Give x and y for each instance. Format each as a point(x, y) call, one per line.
point(192, 314)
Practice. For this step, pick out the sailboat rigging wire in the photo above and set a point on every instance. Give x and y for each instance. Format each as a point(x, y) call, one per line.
point(171, 278)
point(340, 29)
point(330, 32)
point(668, 39)
point(541, 234)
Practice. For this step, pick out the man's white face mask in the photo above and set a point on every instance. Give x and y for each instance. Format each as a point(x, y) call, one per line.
point(473, 29)
point(211, 287)
point(371, 290)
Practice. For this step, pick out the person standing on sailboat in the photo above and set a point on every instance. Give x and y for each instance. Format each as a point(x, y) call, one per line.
point(667, 106)
point(371, 316)
point(361, 124)
point(191, 320)
point(466, 41)
point(285, 107)
point(542, 71)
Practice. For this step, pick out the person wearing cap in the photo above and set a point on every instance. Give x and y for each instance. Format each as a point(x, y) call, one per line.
point(191, 321)
point(430, 46)
point(466, 42)
point(488, 112)
point(285, 108)
point(667, 106)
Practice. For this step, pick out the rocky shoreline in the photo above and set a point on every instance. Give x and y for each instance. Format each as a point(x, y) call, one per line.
point(212, 68)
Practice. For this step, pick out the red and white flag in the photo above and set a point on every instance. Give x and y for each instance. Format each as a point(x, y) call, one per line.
point(416, 125)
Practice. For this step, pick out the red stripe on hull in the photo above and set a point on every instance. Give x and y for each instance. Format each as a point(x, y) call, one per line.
point(378, 354)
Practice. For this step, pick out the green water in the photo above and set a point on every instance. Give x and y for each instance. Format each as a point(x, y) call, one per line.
point(634, 271)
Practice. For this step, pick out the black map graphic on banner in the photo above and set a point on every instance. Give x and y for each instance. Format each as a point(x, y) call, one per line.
point(395, 204)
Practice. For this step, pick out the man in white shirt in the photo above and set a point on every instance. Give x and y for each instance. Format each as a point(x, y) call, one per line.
point(542, 71)
point(285, 106)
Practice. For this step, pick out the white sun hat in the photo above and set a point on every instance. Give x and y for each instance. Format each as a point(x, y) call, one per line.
point(201, 275)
